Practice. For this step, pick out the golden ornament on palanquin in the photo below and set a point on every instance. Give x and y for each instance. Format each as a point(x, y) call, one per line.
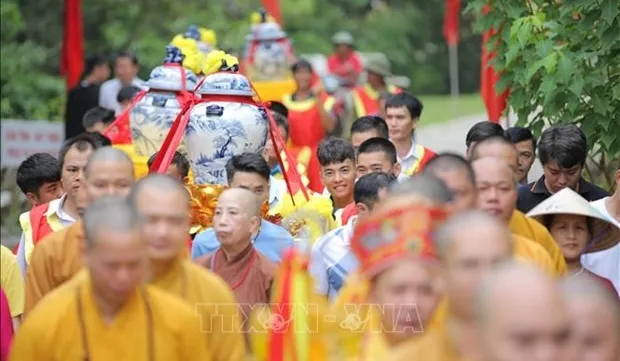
point(203, 200)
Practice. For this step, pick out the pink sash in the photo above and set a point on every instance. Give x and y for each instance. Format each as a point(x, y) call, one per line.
point(6, 327)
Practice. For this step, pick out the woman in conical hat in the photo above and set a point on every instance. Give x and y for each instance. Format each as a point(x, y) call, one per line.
point(577, 227)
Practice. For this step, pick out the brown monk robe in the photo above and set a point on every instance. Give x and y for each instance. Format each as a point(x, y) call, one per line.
point(247, 271)
point(58, 256)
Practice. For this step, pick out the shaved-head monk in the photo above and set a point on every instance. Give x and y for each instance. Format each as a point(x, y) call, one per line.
point(163, 204)
point(594, 313)
point(469, 245)
point(502, 149)
point(57, 258)
point(497, 194)
point(521, 316)
point(106, 311)
point(245, 270)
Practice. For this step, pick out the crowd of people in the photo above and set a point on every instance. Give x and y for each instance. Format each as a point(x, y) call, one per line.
point(431, 256)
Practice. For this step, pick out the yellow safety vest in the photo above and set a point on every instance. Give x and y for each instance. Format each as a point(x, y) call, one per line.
point(52, 219)
point(371, 94)
point(419, 155)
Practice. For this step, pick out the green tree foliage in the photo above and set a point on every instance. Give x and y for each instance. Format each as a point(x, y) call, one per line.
point(409, 32)
point(561, 61)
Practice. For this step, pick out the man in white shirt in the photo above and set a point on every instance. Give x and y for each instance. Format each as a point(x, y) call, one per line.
point(607, 263)
point(126, 69)
point(60, 213)
point(332, 260)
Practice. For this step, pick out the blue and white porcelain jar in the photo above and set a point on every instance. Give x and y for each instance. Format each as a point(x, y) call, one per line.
point(153, 116)
point(228, 125)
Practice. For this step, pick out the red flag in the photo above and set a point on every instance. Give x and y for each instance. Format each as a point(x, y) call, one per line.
point(451, 22)
point(495, 103)
point(72, 62)
point(273, 8)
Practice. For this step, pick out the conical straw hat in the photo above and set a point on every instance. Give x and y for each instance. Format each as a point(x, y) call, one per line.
point(604, 234)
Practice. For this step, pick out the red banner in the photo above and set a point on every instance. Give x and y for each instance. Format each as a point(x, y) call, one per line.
point(452, 22)
point(72, 61)
point(273, 8)
point(495, 103)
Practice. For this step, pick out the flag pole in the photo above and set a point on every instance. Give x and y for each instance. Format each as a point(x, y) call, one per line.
point(453, 55)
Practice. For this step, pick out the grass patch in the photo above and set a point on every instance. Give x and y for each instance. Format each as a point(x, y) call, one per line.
point(439, 108)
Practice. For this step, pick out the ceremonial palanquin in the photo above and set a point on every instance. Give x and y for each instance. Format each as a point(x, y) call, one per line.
point(267, 58)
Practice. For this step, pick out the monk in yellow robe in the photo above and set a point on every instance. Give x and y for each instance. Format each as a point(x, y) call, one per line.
point(57, 258)
point(469, 245)
point(106, 312)
point(164, 205)
point(521, 312)
point(497, 195)
point(459, 176)
point(519, 224)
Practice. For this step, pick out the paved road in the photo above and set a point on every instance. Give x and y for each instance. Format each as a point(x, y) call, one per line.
point(450, 137)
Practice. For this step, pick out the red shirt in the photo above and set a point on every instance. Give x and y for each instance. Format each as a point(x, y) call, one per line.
point(305, 128)
point(337, 66)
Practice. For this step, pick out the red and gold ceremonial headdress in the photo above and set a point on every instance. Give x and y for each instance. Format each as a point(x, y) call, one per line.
point(395, 234)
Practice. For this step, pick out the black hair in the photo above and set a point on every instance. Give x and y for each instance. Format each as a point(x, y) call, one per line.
point(547, 221)
point(334, 150)
point(127, 93)
point(379, 145)
point(281, 121)
point(278, 107)
point(404, 99)
point(99, 139)
point(178, 159)
point(128, 54)
point(520, 134)
point(97, 115)
point(94, 61)
point(367, 188)
point(368, 123)
point(247, 163)
point(301, 64)
point(36, 170)
point(82, 142)
point(450, 161)
point(483, 130)
point(565, 144)
point(496, 139)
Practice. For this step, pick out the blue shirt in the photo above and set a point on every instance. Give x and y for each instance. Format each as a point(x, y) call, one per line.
point(272, 241)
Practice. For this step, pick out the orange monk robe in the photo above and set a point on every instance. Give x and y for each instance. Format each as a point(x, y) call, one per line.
point(212, 299)
point(52, 331)
point(55, 260)
point(532, 229)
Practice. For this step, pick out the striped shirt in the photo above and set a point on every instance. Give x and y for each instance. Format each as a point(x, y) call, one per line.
point(332, 260)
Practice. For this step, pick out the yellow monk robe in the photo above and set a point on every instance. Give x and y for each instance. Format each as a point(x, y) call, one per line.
point(532, 229)
point(434, 345)
point(11, 281)
point(153, 325)
point(529, 251)
point(212, 299)
point(355, 291)
point(55, 260)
